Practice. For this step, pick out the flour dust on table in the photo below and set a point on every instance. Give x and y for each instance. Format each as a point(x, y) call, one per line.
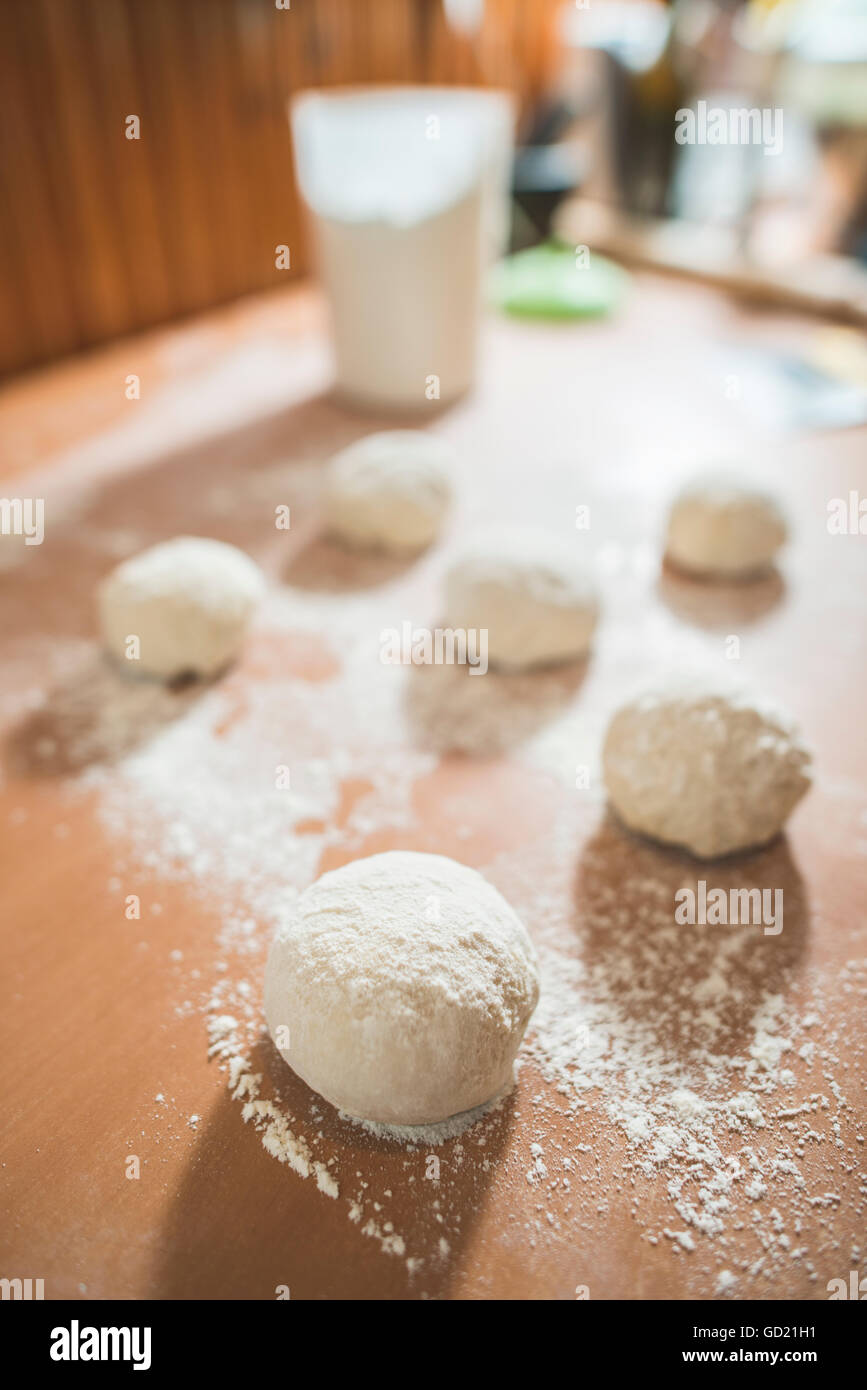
point(684, 1075)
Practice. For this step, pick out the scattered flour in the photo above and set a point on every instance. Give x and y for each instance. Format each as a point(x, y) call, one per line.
point(691, 1065)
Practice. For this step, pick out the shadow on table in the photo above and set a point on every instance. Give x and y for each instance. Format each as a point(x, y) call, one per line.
point(324, 565)
point(97, 714)
point(719, 605)
point(452, 710)
point(243, 1224)
point(695, 986)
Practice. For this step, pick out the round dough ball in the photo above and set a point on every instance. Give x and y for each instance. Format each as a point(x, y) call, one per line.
point(400, 987)
point(709, 770)
point(529, 590)
point(389, 491)
point(724, 528)
point(187, 600)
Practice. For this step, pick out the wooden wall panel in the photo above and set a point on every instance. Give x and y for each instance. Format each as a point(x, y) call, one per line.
point(101, 235)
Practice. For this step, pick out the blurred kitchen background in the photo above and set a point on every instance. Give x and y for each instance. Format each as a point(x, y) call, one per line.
point(103, 236)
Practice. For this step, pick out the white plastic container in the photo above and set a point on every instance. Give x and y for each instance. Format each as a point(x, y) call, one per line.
point(408, 193)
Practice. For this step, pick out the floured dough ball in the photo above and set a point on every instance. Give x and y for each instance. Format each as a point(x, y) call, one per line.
point(187, 601)
point(399, 988)
point(530, 591)
point(722, 527)
point(389, 491)
point(712, 771)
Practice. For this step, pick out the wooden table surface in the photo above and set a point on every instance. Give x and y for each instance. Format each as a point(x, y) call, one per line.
point(102, 1014)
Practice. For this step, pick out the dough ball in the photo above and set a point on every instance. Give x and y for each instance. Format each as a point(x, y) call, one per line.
point(187, 600)
point(529, 590)
point(399, 988)
point(709, 770)
point(724, 528)
point(389, 491)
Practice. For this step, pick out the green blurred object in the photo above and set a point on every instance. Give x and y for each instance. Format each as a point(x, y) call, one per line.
point(555, 281)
